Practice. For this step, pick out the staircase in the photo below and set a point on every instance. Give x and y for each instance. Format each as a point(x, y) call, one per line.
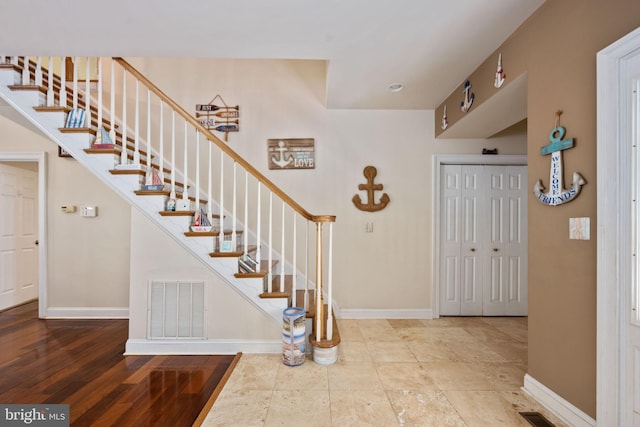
point(261, 242)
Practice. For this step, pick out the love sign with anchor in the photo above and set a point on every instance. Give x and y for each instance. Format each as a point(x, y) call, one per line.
point(557, 194)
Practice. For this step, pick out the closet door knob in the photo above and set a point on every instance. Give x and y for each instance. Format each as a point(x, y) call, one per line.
point(495, 249)
point(473, 249)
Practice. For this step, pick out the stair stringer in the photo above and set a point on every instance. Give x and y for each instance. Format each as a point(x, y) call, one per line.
point(125, 185)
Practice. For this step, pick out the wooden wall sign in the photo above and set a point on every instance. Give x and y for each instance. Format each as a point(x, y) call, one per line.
point(219, 118)
point(295, 153)
point(370, 173)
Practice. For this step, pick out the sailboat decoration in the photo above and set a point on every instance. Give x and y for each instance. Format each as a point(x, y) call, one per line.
point(103, 139)
point(445, 121)
point(500, 75)
point(201, 222)
point(153, 181)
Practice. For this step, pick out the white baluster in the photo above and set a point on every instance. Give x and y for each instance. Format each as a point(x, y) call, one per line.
point(197, 202)
point(161, 136)
point(38, 74)
point(258, 239)
point(123, 154)
point(306, 268)
point(283, 254)
point(26, 77)
point(294, 301)
point(221, 202)
point(245, 234)
point(14, 60)
point(87, 93)
point(112, 104)
point(50, 93)
point(330, 286)
point(270, 240)
point(75, 82)
point(172, 195)
point(136, 128)
point(149, 172)
point(319, 308)
point(209, 183)
point(99, 93)
point(185, 174)
point(63, 81)
point(233, 208)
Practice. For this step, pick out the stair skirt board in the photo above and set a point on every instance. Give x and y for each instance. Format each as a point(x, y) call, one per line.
point(372, 313)
point(191, 347)
point(87, 313)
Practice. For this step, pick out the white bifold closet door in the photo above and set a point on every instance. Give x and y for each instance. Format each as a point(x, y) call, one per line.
point(483, 240)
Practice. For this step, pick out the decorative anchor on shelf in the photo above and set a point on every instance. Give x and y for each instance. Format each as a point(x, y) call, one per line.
point(370, 173)
point(468, 97)
point(557, 194)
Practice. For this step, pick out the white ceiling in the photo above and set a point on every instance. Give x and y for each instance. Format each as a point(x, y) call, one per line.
point(430, 46)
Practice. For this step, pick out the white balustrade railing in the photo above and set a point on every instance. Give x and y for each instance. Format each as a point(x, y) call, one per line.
point(246, 209)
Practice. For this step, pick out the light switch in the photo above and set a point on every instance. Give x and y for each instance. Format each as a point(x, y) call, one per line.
point(89, 211)
point(579, 228)
point(369, 227)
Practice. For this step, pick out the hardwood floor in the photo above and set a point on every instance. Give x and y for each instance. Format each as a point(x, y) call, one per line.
point(81, 363)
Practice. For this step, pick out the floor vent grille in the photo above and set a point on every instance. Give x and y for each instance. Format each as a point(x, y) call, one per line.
point(176, 310)
point(536, 419)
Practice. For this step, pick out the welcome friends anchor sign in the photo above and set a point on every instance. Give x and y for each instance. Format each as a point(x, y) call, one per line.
point(557, 194)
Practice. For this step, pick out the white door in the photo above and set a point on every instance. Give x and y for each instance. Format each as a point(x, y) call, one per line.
point(483, 241)
point(460, 258)
point(505, 248)
point(18, 235)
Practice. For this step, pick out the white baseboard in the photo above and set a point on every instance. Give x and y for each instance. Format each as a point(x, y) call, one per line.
point(369, 313)
point(87, 313)
point(173, 347)
point(560, 407)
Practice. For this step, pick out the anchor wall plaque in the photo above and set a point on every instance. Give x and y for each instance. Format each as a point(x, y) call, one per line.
point(557, 194)
point(370, 173)
point(293, 153)
point(465, 105)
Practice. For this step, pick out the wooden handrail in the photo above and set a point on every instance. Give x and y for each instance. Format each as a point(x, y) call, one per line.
point(224, 147)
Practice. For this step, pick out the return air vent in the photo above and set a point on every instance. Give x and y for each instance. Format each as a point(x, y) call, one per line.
point(176, 310)
point(536, 419)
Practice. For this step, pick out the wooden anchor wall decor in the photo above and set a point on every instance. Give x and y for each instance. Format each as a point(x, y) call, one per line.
point(557, 194)
point(209, 114)
point(370, 173)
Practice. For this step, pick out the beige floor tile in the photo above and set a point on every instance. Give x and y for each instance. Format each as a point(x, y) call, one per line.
point(448, 334)
point(404, 376)
point(378, 330)
point(406, 323)
point(488, 334)
point(353, 351)
point(364, 408)
point(424, 408)
point(349, 330)
point(353, 376)
point(390, 351)
point(299, 407)
point(308, 376)
point(485, 408)
point(511, 351)
point(239, 408)
point(436, 351)
point(502, 376)
point(473, 352)
point(516, 327)
point(255, 372)
point(456, 376)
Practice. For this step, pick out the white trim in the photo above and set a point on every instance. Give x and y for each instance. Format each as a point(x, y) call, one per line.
point(368, 313)
point(41, 159)
point(613, 241)
point(212, 346)
point(560, 407)
point(455, 159)
point(87, 313)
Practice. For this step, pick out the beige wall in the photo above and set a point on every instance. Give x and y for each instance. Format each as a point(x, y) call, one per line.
point(88, 258)
point(557, 48)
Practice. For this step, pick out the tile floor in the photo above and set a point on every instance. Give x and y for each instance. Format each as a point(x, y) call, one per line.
point(440, 372)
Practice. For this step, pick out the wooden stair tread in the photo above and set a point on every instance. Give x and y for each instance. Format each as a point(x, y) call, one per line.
point(210, 234)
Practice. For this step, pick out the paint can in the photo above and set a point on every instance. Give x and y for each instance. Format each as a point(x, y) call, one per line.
point(293, 336)
point(325, 356)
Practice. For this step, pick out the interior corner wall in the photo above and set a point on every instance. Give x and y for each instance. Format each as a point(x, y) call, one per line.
point(155, 256)
point(88, 258)
point(557, 49)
